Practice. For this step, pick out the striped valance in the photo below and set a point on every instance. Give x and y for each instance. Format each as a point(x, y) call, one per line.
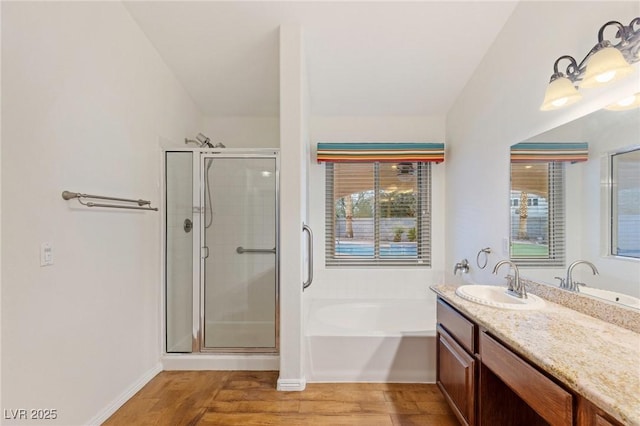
point(351, 152)
point(549, 151)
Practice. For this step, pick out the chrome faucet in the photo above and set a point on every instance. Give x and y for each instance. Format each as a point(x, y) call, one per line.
point(571, 285)
point(462, 266)
point(514, 287)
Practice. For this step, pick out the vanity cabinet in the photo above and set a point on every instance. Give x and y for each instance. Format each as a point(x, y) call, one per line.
point(588, 414)
point(456, 362)
point(513, 392)
point(487, 383)
point(456, 377)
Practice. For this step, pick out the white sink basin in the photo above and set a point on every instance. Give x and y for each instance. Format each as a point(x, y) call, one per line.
point(611, 296)
point(497, 297)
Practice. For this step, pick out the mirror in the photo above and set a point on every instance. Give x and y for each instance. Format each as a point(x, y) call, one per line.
point(587, 208)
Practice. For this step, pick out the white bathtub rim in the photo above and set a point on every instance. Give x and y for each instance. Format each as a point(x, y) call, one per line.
point(316, 327)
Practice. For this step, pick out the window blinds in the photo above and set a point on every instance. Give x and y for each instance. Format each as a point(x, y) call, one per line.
point(378, 214)
point(537, 214)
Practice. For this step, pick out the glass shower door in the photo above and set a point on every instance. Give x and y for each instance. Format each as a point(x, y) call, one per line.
point(238, 225)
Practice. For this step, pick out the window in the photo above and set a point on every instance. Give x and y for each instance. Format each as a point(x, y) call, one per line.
point(378, 214)
point(537, 214)
point(625, 203)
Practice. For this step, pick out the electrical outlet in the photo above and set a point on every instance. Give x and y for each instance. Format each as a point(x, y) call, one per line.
point(505, 246)
point(46, 254)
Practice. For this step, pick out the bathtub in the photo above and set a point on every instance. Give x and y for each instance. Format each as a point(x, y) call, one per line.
point(371, 341)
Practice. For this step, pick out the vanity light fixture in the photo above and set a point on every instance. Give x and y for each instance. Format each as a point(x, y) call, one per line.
point(630, 102)
point(604, 64)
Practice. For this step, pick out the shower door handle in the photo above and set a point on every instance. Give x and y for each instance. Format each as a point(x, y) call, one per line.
point(307, 229)
point(241, 250)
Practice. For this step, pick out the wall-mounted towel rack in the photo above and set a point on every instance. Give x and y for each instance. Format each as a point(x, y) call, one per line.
point(486, 251)
point(141, 204)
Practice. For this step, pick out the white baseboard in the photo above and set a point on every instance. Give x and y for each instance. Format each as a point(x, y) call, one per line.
point(103, 415)
point(291, 385)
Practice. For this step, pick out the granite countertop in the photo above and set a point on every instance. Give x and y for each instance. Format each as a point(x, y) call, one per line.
point(598, 360)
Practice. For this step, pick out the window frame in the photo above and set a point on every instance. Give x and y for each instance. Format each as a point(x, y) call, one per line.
point(423, 222)
point(609, 228)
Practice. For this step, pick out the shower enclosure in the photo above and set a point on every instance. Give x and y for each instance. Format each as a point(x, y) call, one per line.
point(221, 252)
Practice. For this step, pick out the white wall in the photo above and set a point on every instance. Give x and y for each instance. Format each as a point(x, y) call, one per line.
point(85, 100)
point(499, 107)
point(375, 282)
point(1, 405)
point(243, 131)
point(292, 205)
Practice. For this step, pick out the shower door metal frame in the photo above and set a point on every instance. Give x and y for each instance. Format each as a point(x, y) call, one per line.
point(199, 247)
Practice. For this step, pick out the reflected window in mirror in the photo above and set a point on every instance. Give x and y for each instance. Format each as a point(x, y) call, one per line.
point(625, 203)
point(537, 236)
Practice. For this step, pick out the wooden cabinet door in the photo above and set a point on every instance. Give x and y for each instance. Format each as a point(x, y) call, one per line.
point(590, 415)
point(456, 377)
point(545, 397)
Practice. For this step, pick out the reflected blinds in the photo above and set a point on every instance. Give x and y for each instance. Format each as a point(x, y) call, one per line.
point(537, 214)
point(378, 214)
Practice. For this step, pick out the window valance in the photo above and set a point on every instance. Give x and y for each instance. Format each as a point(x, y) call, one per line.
point(550, 151)
point(394, 152)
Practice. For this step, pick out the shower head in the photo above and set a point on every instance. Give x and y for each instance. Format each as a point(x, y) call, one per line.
point(203, 141)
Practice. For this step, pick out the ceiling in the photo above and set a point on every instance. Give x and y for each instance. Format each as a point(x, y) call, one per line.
point(363, 58)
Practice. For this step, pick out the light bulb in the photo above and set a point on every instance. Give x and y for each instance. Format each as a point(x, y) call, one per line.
point(627, 101)
point(560, 92)
point(604, 66)
point(605, 76)
point(559, 102)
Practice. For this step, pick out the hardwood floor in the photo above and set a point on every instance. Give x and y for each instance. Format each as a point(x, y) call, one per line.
point(250, 398)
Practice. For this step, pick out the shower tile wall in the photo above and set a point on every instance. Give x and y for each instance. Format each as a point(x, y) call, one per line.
point(241, 286)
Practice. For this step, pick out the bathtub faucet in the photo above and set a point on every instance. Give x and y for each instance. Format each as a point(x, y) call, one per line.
point(462, 266)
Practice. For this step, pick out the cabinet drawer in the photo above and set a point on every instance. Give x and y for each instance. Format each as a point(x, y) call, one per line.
point(548, 399)
point(458, 326)
point(456, 377)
